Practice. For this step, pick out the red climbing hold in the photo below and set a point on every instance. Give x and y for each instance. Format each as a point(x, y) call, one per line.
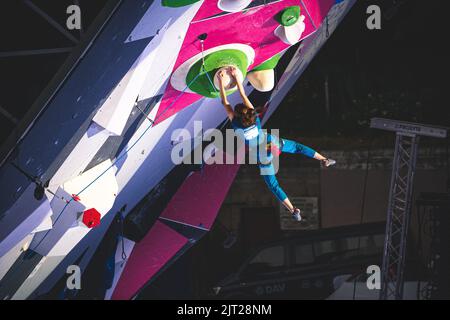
point(76, 198)
point(91, 218)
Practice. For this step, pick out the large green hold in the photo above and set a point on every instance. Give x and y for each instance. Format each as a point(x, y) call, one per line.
point(268, 64)
point(213, 62)
point(178, 3)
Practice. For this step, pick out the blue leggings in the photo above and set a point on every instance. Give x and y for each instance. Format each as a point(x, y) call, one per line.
point(287, 146)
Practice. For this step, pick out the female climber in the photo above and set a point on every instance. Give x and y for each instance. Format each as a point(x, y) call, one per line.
point(246, 123)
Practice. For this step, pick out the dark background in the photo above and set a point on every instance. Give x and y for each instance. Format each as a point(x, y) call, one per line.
point(24, 77)
point(397, 72)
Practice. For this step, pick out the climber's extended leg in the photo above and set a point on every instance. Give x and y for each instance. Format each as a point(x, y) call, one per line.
point(274, 186)
point(290, 146)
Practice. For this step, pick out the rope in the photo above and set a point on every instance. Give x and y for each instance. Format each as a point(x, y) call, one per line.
point(143, 112)
point(211, 82)
point(203, 56)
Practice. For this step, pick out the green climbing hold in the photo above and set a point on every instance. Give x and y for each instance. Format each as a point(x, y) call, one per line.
point(213, 62)
point(177, 3)
point(268, 64)
point(289, 16)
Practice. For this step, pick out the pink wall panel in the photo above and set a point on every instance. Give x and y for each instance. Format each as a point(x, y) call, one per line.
point(159, 245)
point(198, 200)
point(317, 9)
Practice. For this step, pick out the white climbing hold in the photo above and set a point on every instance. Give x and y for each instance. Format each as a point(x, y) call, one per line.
point(263, 80)
point(292, 34)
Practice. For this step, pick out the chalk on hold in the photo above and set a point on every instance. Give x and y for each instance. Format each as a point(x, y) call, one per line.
point(233, 5)
point(228, 80)
point(214, 62)
point(194, 76)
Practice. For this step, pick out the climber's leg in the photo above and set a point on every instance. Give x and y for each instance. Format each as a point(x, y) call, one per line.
point(290, 146)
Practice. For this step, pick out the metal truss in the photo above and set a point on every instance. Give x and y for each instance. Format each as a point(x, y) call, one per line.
point(398, 216)
point(400, 198)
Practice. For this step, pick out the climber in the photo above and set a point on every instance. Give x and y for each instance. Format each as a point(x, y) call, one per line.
point(245, 121)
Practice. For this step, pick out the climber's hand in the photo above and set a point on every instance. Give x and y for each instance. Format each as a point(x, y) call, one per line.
point(233, 71)
point(221, 75)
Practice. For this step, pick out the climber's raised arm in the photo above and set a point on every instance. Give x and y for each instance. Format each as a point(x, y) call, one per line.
point(223, 96)
point(244, 97)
